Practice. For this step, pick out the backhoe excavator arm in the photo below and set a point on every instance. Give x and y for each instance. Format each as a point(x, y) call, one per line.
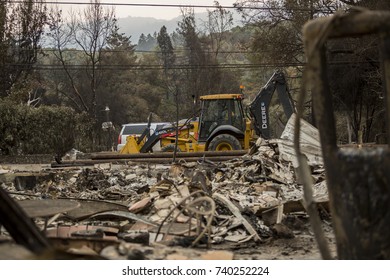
point(259, 108)
point(158, 134)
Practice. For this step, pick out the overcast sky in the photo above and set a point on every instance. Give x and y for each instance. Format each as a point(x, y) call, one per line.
point(156, 12)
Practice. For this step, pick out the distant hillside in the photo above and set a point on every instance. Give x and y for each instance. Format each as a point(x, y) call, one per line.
point(135, 26)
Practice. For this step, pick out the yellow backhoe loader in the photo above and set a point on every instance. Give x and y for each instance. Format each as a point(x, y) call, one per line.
point(222, 124)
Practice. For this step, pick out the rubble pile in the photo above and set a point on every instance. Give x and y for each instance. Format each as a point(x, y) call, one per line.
point(201, 204)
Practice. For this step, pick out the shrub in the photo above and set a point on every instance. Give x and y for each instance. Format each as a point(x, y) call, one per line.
point(42, 130)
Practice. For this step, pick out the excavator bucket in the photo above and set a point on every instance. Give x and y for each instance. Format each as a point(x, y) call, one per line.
point(131, 147)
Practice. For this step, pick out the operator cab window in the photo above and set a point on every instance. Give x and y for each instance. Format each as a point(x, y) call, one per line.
point(220, 112)
point(237, 115)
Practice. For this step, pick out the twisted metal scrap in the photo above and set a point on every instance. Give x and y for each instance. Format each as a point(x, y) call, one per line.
point(202, 207)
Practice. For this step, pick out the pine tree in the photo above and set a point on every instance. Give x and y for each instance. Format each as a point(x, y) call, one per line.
point(166, 48)
point(141, 42)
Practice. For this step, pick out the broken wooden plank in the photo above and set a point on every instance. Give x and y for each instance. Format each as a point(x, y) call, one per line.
point(236, 237)
point(236, 212)
point(140, 205)
point(273, 215)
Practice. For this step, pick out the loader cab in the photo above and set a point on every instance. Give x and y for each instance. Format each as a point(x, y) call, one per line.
point(220, 112)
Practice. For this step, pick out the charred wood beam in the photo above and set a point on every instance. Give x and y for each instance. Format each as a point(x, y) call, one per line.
point(22, 228)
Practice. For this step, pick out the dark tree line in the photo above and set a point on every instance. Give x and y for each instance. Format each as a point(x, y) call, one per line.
point(89, 66)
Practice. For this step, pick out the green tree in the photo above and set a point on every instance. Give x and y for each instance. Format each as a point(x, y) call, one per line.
point(21, 28)
point(119, 79)
point(147, 43)
point(170, 75)
point(166, 49)
point(141, 41)
point(150, 42)
point(200, 76)
point(150, 87)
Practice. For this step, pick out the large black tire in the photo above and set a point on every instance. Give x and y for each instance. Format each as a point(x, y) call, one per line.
point(224, 142)
point(170, 148)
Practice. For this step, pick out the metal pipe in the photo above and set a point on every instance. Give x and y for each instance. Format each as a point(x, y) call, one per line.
point(207, 154)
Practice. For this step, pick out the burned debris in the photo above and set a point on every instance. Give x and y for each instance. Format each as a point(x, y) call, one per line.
point(185, 210)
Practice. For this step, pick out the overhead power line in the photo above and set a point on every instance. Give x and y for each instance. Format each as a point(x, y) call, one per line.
point(175, 51)
point(137, 67)
point(164, 5)
point(159, 67)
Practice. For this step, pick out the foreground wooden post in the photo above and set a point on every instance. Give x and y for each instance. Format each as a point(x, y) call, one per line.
point(358, 180)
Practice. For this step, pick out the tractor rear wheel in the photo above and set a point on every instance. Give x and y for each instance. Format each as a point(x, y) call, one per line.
point(224, 142)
